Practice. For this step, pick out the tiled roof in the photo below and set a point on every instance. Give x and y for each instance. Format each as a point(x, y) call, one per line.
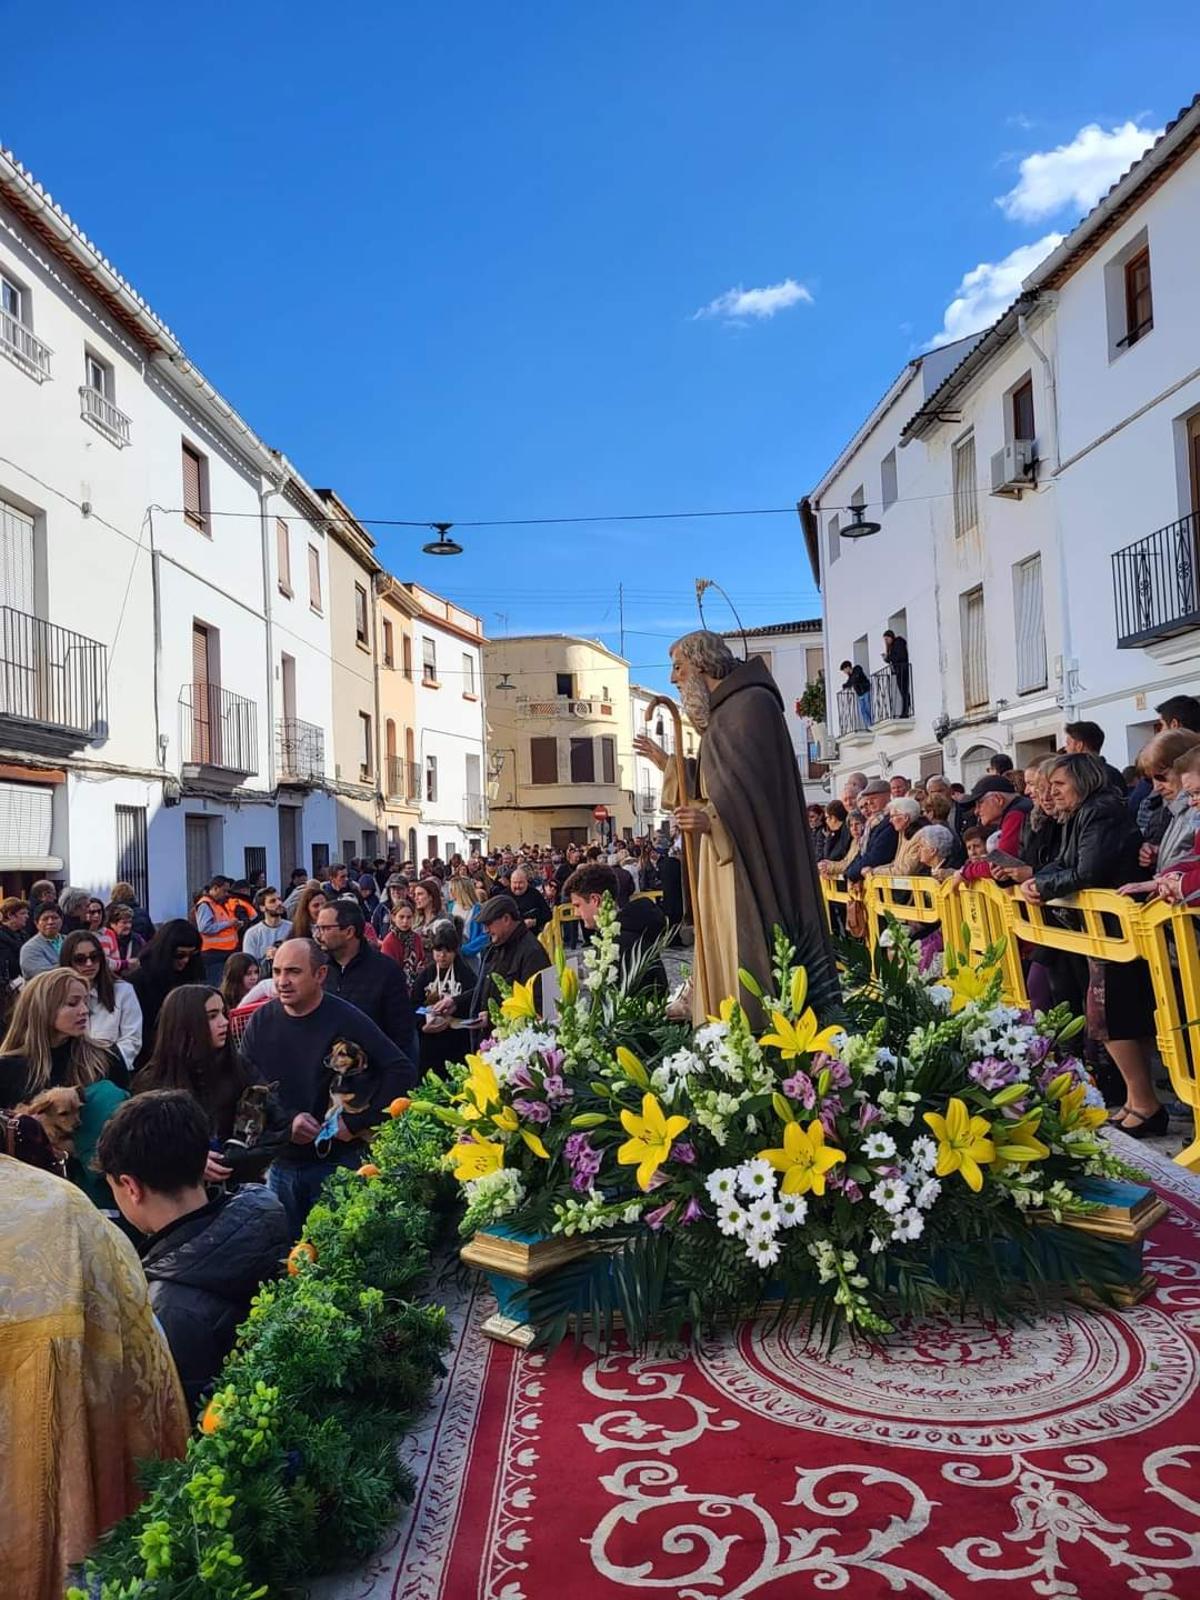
point(809, 625)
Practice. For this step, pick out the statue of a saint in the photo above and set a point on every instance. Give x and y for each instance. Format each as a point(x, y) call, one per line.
point(756, 866)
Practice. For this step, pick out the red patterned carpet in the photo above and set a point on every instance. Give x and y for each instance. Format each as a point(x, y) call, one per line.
point(1057, 1459)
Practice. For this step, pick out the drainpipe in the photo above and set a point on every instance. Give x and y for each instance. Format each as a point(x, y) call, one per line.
point(1069, 671)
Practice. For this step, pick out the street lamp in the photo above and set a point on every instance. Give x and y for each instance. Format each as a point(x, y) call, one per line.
point(859, 527)
point(443, 545)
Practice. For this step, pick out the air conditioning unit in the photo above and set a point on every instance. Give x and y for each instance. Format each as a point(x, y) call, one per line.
point(1014, 468)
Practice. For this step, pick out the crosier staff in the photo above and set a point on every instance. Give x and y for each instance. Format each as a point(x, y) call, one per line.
point(689, 842)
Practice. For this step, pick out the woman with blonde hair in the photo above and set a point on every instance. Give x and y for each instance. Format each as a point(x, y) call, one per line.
point(47, 1046)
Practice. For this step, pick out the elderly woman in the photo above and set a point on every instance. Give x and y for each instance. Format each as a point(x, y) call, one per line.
point(1100, 845)
point(1157, 761)
point(904, 815)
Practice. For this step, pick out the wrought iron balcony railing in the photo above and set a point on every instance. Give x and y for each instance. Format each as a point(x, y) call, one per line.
point(23, 347)
point(52, 682)
point(891, 694)
point(101, 413)
point(403, 779)
point(218, 729)
point(853, 715)
point(1155, 590)
point(301, 748)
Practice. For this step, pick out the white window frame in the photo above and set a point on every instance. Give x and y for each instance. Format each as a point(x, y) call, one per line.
point(468, 669)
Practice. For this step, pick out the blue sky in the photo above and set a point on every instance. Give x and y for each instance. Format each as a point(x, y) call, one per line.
point(450, 258)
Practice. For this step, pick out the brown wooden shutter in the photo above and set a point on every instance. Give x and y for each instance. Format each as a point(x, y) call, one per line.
point(193, 502)
point(314, 577)
point(201, 718)
point(284, 555)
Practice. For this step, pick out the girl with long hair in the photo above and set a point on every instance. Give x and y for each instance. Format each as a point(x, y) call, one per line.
point(403, 943)
point(114, 1013)
point(171, 958)
point(427, 903)
point(312, 899)
point(240, 975)
point(47, 1047)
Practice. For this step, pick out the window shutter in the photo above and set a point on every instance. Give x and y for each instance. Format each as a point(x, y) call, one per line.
point(16, 559)
point(966, 505)
point(974, 650)
point(283, 551)
point(543, 760)
point(193, 506)
point(202, 730)
point(314, 577)
point(1031, 627)
point(608, 761)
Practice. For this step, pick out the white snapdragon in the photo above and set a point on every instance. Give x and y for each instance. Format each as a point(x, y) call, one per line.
point(670, 1077)
point(495, 1195)
point(520, 1049)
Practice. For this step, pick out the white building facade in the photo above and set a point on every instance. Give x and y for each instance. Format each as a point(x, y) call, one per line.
point(794, 654)
point(1038, 494)
point(648, 813)
point(451, 726)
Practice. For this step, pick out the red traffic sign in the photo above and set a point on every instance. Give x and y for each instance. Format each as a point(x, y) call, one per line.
point(600, 813)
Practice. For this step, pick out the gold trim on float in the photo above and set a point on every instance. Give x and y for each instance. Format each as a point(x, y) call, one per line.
point(507, 1330)
point(515, 1258)
point(1122, 1223)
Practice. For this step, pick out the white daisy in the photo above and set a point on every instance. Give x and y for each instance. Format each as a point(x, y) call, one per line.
point(756, 1178)
point(941, 995)
point(732, 1218)
point(721, 1184)
point(764, 1251)
point(927, 1194)
point(792, 1208)
point(909, 1225)
point(879, 1146)
point(764, 1215)
point(924, 1153)
point(891, 1195)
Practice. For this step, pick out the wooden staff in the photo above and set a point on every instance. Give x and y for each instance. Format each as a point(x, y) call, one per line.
point(689, 840)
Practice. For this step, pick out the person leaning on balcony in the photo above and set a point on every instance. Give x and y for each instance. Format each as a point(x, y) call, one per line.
point(219, 928)
point(1100, 851)
point(859, 684)
point(878, 848)
point(895, 653)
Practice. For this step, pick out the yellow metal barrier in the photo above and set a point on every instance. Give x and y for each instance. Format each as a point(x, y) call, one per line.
point(551, 936)
point(974, 917)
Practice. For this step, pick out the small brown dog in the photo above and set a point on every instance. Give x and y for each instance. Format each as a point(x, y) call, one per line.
point(345, 1062)
point(59, 1111)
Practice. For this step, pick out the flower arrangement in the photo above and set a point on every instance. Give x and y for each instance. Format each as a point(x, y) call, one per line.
point(293, 1468)
point(885, 1163)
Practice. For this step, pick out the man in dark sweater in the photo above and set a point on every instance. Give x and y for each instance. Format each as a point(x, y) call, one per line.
point(288, 1041)
point(515, 953)
point(367, 979)
point(205, 1260)
point(641, 925)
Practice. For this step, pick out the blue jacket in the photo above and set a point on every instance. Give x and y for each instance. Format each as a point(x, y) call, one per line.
point(879, 852)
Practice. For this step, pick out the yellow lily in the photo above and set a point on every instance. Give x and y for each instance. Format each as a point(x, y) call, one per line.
point(963, 1143)
point(1072, 1112)
point(966, 986)
point(800, 1038)
point(804, 1159)
point(726, 1009)
point(799, 989)
point(520, 1003)
point(535, 1144)
point(1017, 1141)
point(477, 1159)
point(480, 1089)
point(650, 1138)
point(569, 985)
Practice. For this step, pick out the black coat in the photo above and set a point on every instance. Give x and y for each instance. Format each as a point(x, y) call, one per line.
point(1100, 844)
point(204, 1270)
point(10, 955)
point(533, 904)
point(518, 960)
point(642, 924)
point(377, 986)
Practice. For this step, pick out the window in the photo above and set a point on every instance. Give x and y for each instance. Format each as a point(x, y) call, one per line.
point(389, 645)
point(370, 843)
point(195, 489)
point(431, 790)
point(966, 499)
point(283, 557)
point(17, 339)
point(468, 675)
point(320, 860)
point(314, 577)
point(366, 761)
point(255, 863)
point(564, 684)
point(887, 479)
point(974, 649)
point(543, 760)
point(835, 539)
point(1023, 426)
point(361, 634)
point(97, 375)
point(428, 659)
point(1139, 304)
point(347, 850)
point(583, 761)
point(608, 760)
point(206, 721)
point(406, 655)
point(133, 862)
point(431, 841)
point(12, 301)
point(1031, 627)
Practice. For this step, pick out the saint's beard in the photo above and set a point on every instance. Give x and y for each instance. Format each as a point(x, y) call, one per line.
point(696, 698)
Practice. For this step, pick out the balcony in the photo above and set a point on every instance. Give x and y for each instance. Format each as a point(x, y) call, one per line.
point(99, 410)
point(20, 345)
point(301, 747)
point(648, 803)
point(475, 813)
point(403, 779)
point(891, 696)
point(53, 686)
point(854, 719)
point(563, 706)
point(1154, 585)
point(218, 734)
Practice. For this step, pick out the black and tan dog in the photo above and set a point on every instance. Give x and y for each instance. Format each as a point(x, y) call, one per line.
point(347, 1065)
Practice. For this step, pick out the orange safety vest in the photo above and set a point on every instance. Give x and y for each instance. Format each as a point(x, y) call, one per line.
point(224, 938)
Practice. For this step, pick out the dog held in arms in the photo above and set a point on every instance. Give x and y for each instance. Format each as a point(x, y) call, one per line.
point(346, 1063)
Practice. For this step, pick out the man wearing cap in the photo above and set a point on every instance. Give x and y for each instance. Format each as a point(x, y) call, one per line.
point(514, 952)
point(998, 806)
point(879, 840)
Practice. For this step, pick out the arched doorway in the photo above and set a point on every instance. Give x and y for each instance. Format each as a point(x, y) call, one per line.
point(974, 762)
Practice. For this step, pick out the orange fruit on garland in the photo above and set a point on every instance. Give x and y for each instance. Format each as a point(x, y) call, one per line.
point(368, 1170)
point(399, 1106)
point(298, 1253)
point(211, 1420)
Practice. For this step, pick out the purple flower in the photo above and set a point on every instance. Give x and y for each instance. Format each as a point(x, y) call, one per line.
point(532, 1110)
point(657, 1179)
point(555, 1089)
point(800, 1087)
point(852, 1191)
point(582, 1181)
point(692, 1212)
point(1039, 1049)
point(868, 1114)
point(520, 1078)
point(553, 1059)
point(839, 1073)
point(993, 1074)
point(576, 1146)
point(829, 1114)
point(656, 1218)
point(1016, 1110)
point(682, 1151)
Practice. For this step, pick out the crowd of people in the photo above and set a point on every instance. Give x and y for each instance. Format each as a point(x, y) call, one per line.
point(1068, 822)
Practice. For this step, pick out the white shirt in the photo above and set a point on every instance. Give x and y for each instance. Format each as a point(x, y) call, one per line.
point(122, 1025)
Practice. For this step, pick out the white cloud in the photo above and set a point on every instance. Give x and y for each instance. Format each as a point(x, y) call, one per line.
point(738, 304)
point(991, 288)
point(1075, 175)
